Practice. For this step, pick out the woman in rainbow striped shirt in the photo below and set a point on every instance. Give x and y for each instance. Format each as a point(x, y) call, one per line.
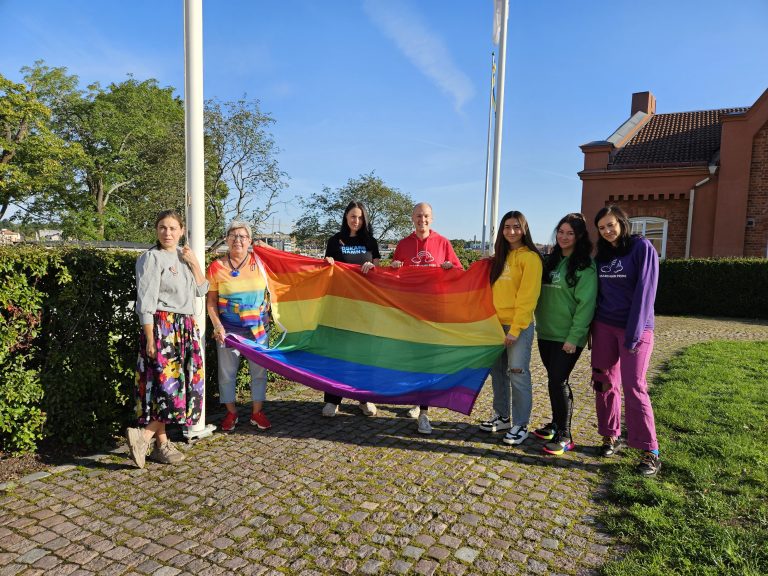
point(237, 303)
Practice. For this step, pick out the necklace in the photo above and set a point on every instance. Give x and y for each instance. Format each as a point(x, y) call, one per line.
point(236, 271)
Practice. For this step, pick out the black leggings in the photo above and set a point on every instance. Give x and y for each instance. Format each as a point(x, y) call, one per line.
point(559, 365)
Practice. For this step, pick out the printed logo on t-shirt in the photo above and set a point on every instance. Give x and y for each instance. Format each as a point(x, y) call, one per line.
point(554, 277)
point(352, 250)
point(613, 269)
point(423, 258)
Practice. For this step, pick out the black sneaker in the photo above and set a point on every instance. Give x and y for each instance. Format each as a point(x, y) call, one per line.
point(560, 444)
point(611, 445)
point(546, 432)
point(649, 465)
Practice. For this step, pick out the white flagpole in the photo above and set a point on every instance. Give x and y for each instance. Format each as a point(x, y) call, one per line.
point(499, 118)
point(195, 175)
point(484, 251)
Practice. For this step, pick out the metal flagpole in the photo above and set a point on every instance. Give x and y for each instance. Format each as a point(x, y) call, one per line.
point(195, 166)
point(491, 108)
point(501, 6)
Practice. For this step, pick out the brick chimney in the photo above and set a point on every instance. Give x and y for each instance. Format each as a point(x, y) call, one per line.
point(643, 102)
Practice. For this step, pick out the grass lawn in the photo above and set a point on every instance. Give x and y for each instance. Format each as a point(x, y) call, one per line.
point(707, 511)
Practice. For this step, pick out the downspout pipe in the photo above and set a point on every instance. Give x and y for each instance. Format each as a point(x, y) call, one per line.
point(691, 202)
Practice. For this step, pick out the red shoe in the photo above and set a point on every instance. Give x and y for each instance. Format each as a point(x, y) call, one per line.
point(260, 419)
point(229, 421)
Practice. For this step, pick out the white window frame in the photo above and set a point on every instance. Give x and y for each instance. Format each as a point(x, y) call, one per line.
point(640, 225)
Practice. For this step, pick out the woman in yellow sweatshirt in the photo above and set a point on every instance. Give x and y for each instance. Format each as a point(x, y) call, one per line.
point(516, 268)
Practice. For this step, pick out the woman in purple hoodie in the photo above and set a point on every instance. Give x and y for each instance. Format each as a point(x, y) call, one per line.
point(622, 337)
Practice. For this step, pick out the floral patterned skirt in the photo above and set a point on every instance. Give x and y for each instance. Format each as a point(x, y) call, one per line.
point(170, 387)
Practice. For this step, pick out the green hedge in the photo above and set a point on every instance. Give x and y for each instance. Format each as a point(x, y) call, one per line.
point(88, 346)
point(731, 287)
point(68, 347)
point(21, 392)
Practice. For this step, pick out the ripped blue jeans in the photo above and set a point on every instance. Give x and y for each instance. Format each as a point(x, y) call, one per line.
point(511, 380)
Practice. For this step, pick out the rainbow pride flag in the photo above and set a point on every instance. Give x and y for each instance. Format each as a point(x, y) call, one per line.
point(422, 336)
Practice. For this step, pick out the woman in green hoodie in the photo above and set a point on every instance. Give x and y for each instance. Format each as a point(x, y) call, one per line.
point(563, 315)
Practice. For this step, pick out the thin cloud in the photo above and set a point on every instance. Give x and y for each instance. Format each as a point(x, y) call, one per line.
point(423, 48)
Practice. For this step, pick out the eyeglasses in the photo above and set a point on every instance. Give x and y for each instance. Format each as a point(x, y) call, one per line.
point(240, 237)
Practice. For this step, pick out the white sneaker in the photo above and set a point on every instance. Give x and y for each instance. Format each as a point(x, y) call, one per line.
point(414, 412)
point(424, 426)
point(137, 445)
point(330, 409)
point(516, 435)
point(368, 408)
point(496, 424)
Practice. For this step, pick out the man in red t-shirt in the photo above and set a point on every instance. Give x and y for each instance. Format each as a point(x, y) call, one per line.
point(424, 247)
point(427, 248)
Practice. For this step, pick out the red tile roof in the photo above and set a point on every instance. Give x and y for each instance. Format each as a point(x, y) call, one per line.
point(679, 139)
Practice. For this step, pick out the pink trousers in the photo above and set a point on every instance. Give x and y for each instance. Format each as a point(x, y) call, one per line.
point(615, 367)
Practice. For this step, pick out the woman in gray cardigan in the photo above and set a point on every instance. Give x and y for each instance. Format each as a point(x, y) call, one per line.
point(169, 379)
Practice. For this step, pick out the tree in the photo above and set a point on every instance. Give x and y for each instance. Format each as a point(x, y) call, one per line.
point(126, 131)
point(389, 210)
point(33, 159)
point(132, 138)
point(244, 179)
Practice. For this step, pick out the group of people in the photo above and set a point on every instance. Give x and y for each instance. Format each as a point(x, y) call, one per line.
point(568, 297)
point(573, 298)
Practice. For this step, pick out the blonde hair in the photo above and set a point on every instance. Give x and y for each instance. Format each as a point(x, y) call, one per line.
point(237, 225)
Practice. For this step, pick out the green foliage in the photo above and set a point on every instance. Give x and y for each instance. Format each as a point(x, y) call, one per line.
point(117, 154)
point(21, 417)
point(706, 513)
point(465, 255)
point(389, 211)
point(33, 158)
point(734, 287)
point(88, 352)
point(68, 340)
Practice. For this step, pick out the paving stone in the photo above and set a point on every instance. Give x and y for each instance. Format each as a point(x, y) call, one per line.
point(466, 554)
point(450, 541)
point(425, 567)
point(167, 571)
point(438, 552)
point(47, 563)
point(371, 567)
point(32, 556)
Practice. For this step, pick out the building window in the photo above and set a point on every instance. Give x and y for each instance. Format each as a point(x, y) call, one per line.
point(654, 229)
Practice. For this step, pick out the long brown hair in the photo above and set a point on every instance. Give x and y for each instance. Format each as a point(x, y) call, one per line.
point(501, 248)
point(605, 250)
point(366, 231)
point(582, 249)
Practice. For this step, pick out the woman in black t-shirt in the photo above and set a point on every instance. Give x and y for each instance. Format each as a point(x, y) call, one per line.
point(353, 244)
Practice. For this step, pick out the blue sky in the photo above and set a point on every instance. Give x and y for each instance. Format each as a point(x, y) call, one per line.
point(400, 87)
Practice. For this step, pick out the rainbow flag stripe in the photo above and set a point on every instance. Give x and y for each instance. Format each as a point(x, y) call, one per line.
point(410, 336)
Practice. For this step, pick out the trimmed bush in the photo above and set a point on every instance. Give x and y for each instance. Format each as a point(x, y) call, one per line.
point(88, 346)
point(731, 287)
point(21, 416)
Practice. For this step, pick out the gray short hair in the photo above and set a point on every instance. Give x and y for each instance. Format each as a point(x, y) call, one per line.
point(237, 225)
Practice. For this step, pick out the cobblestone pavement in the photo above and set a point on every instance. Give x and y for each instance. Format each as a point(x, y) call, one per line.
point(348, 495)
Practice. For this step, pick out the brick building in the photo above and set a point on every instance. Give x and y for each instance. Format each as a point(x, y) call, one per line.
point(694, 183)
